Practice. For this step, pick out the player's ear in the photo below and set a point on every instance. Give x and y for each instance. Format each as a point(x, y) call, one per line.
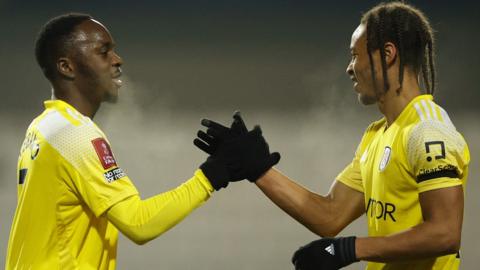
point(391, 53)
point(65, 68)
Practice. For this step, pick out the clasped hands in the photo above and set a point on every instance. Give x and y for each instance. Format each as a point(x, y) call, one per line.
point(236, 153)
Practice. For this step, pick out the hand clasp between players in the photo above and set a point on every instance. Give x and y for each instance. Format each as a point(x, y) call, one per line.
point(234, 153)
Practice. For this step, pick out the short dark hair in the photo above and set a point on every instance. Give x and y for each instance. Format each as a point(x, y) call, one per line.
point(409, 29)
point(52, 38)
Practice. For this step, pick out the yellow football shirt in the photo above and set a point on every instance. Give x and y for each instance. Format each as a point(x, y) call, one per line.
point(67, 178)
point(420, 151)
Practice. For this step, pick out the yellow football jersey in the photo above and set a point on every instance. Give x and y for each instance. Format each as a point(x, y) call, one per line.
point(420, 151)
point(67, 178)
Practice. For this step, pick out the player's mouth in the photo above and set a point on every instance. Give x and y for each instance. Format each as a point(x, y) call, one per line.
point(355, 82)
point(116, 79)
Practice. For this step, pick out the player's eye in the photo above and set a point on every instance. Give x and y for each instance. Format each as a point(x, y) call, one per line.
point(104, 50)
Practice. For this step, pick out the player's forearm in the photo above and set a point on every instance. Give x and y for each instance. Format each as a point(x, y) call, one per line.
point(315, 212)
point(422, 241)
point(144, 220)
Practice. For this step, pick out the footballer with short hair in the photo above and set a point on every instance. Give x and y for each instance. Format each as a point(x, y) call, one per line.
point(73, 196)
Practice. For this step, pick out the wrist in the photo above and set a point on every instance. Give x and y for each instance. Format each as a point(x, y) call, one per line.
point(203, 180)
point(215, 172)
point(348, 251)
point(265, 178)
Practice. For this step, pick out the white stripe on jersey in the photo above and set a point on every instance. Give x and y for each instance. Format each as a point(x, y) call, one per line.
point(425, 108)
point(434, 110)
point(52, 123)
point(445, 117)
point(419, 111)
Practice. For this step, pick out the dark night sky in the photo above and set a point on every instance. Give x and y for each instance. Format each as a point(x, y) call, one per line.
point(286, 55)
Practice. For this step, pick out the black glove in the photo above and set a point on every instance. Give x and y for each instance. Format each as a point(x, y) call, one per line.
point(235, 153)
point(326, 254)
point(217, 133)
point(216, 168)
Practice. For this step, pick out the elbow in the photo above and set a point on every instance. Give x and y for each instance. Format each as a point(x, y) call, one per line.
point(450, 242)
point(451, 245)
point(139, 240)
point(327, 230)
point(138, 236)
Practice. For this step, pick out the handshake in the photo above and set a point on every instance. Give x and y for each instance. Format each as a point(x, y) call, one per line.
point(235, 153)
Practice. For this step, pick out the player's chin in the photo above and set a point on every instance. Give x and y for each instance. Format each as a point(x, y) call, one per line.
point(111, 96)
point(366, 99)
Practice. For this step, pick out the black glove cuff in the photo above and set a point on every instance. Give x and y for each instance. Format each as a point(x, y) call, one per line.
point(216, 173)
point(346, 246)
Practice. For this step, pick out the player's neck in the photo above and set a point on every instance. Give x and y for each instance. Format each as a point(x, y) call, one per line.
point(397, 98)
point(73, 97)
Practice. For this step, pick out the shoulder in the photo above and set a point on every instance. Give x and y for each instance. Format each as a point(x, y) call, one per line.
point(433, 123)
point(430, 121)
point(434, 139)
point(435, 130)
point(54, 124)
point(68, 134)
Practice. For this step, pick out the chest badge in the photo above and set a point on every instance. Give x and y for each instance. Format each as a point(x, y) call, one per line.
point(385, 158)
point(34, 150)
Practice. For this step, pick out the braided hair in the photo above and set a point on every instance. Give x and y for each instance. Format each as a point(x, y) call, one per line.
point(409, 29)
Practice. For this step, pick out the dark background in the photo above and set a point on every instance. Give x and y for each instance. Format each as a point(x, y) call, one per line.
point(281, 62)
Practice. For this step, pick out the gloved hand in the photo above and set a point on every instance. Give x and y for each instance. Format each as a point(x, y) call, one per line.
point(326, 254)
point(217, 133)
point(235, 153)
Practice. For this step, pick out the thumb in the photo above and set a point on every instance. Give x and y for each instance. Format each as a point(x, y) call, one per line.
point(273, 159)
point(256, 131)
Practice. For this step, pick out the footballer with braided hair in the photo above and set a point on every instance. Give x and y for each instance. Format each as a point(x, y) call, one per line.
point(409, 172)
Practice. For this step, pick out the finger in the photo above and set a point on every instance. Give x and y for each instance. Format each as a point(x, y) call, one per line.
point(205, 137)
point(212, 124)
point(238, 124)
point(218, 134)
point(257, 130)
point(203, 146)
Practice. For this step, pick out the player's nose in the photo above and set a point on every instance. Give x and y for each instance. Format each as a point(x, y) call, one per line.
point(117, 60)
point(349, 70)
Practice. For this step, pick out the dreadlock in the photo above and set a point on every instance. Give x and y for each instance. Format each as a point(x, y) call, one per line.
point(410, 31)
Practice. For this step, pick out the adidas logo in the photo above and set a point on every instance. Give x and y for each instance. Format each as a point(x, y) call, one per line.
point(330, 249)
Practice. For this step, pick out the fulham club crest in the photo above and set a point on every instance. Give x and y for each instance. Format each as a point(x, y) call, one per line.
point(386, 158)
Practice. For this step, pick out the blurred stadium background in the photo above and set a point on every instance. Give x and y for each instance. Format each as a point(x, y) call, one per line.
point(281, 62)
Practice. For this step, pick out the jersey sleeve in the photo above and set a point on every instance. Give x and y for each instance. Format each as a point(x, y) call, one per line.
point(144, 220)
point(351, 175)
point(438, 155)
point(91, 169)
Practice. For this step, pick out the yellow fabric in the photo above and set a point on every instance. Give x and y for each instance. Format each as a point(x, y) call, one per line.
point(59, 221)
point(392, 166)
point(142, 221)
